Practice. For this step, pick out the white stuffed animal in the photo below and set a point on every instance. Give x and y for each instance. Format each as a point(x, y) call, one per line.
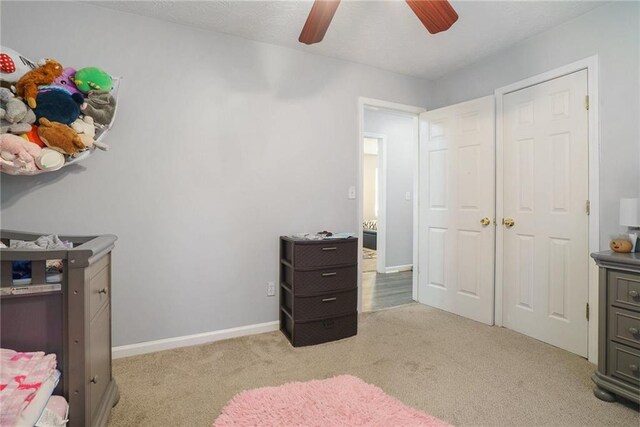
point(86, 130)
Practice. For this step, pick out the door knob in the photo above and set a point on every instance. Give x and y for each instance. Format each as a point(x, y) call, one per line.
point(508, 222)
point(485, 221)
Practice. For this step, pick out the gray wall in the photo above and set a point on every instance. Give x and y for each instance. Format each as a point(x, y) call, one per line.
point(612, 32)
point(400, 130)
point(221, 145)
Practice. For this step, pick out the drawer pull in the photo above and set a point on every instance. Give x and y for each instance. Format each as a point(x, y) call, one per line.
point(633, 368)
point(103, 291)
point(633, 294)
point(329, 274)
point(633, 331)
point(328, 324)
point(94, 380)
point(334, 248)
point(329, 299)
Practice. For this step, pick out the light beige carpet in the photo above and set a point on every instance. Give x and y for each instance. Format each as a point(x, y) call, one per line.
point(458, 370)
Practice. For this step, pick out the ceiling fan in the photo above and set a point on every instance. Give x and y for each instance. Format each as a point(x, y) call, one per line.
point(436, 15)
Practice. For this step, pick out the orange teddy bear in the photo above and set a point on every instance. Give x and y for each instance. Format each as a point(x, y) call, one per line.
point(27, 86)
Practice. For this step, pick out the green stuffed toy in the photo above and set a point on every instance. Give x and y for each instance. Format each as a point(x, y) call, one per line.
point(92, 78)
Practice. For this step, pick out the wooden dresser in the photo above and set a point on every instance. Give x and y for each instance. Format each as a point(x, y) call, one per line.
point(73, 322)
point(318, 289)
point(618, 370)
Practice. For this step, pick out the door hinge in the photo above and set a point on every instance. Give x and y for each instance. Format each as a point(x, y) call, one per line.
point(587, 311)
point(588, 207)
point(586, 102)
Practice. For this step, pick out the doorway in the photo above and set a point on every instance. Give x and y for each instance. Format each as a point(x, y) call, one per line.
point(386, 216)
point(374, 178)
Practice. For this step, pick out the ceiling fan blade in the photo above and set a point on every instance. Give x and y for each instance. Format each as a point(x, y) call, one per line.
point(436, 15)
point(318, 21)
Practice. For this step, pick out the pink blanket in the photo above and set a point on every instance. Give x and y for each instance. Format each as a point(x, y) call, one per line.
point(21, 375)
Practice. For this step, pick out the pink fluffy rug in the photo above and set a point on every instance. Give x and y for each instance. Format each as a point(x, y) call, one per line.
point(340, 401)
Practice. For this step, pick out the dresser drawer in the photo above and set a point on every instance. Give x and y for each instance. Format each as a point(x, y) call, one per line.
point(624, 289)
point(320, 281)
point(325, 253)
point(99, 290)
point(624, 326)
point(99, 357)
point(321, 331)
point(321, 306)
point(624, 363)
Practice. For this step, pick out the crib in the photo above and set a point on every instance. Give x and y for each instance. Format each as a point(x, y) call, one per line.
point(73, 321)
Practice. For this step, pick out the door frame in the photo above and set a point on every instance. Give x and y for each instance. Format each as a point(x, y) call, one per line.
point(364, 102)
point(591, 65)
point(381, 236)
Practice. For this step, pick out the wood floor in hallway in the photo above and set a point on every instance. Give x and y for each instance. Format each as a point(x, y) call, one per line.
point(386, 290)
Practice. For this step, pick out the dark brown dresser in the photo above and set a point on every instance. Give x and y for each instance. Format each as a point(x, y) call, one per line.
point(618, 370)
point(318, 289)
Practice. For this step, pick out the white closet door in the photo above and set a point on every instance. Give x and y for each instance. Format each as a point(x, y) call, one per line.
point(545, 278)
point(457, 183)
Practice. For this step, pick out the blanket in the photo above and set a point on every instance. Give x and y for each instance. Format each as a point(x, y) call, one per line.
point(21, 375)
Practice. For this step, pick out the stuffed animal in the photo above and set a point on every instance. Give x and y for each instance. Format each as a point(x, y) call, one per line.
point(60, 137)
point(13, 65)
point(100, 105)
point(32, 136)
point(86, 130)
point(92, 78)
point(65, 80)
point(58, 106)
point(15, 116)
point(17, 155)
point(27, 86)
point(50, 160)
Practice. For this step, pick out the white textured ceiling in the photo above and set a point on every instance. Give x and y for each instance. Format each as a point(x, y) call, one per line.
point(384, 34)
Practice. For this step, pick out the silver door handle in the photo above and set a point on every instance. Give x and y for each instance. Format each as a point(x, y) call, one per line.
point(329, 274)
point(329, 249)
point(329, 299)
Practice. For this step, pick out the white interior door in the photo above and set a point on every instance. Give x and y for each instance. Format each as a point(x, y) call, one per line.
point(457, 191)
point(545, 185)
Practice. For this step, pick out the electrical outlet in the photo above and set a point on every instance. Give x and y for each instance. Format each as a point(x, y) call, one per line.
point(271, 289)
point(351, 193)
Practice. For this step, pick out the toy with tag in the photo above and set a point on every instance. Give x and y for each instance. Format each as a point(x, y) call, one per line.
point(15, 116)
point(100, 105)
point(86, 130)
point(27, 86)
point(92, 78)
point(13, 65)
point(60, 137)
point(65, 80)
point(58, 106)
point(17, 155)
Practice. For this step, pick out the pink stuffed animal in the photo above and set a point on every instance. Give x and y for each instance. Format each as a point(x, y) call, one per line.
point(17, 155)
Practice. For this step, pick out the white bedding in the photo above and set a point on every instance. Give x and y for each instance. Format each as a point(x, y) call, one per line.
point(32, 412)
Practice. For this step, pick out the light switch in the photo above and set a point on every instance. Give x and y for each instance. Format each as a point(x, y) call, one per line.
point(407, 195)
point(352, 193)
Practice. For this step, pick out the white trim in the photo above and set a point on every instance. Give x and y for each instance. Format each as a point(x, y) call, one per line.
point(381, 235)
point(189, 340)
point(392, 106)
point(398, 268)
point(416, 210)
point(591, 65)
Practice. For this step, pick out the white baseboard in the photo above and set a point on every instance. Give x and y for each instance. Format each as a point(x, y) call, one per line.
point(398, 268)
point(189, 340)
